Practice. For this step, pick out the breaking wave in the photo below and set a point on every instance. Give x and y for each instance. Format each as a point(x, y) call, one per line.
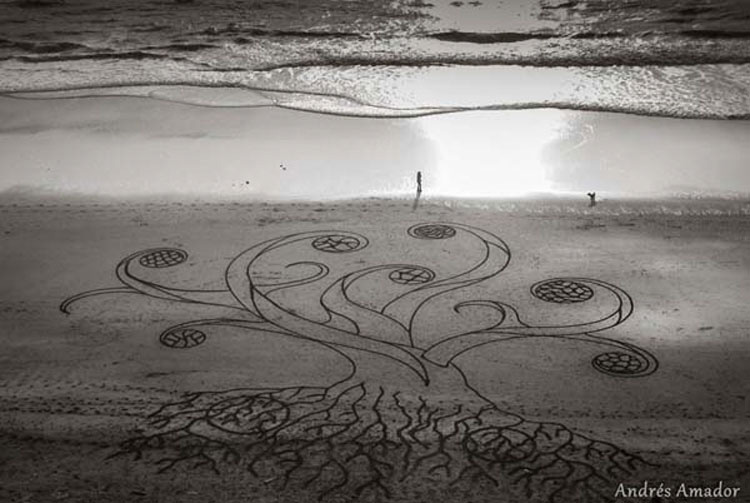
point(399, 58)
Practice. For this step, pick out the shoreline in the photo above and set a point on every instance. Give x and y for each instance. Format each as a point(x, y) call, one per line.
point(237, 93)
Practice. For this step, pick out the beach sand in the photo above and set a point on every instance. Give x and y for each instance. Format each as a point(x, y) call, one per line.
point(74, 386)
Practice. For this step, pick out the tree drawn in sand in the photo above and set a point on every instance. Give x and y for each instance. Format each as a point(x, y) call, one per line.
point(406, 414)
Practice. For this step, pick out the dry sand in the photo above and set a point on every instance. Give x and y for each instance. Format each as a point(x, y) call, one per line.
point(73, 387)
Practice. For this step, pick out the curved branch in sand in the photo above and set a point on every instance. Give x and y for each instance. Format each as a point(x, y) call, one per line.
point(134, 283)
point(443, 352)
point(248, 291)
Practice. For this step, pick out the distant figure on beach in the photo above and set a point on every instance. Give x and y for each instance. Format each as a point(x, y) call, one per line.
point(592, 198)
point(419, 191)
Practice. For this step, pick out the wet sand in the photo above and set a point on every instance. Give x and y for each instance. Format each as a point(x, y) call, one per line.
point(73, 387)
point(237, 145)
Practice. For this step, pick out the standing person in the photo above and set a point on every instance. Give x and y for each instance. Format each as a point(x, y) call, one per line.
point(419, 182)
point(592, 198)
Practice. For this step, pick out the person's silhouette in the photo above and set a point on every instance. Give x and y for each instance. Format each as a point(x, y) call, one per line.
point(419, 182)
point(592, 198)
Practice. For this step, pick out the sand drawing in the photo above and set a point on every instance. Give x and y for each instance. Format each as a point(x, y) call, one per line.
point(406, 413)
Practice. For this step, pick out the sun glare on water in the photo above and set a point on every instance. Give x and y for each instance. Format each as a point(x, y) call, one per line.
point(492, 154)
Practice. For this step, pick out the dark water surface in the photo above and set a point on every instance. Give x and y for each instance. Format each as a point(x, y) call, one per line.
point(683, 59)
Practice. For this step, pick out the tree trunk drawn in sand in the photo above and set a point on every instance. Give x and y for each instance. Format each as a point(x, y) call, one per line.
point(406, 415)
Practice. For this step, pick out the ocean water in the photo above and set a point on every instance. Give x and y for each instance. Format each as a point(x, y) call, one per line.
point(687, 58)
